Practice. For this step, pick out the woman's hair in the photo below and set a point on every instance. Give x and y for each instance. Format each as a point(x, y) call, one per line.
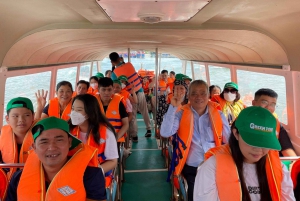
point(211, 88)
point(238, 96)
point(95, 116)
point(64, 83)
point(238, 158)
point(93, 78)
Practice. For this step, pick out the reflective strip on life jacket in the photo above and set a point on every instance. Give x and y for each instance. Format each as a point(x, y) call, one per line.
point(112, 112)
point(128, 70)
point(54, 109)
point(227, 179)
point(67, 183)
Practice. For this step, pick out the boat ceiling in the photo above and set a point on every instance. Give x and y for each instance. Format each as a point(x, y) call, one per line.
point(40, 32)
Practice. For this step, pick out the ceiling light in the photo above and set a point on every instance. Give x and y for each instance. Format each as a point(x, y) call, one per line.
point(151, 18)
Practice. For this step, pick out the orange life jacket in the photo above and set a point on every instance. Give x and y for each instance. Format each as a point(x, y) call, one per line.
point(146, 87)
point(227, 178)
point(9, 149)
point(113, 114)
point(100, 147)
point(125, 94)
point(92, 91)
point(128, 70)
point(67, 183)
point(91, 141)
point(3, 184)
point(54, 109)
point(162, 85)
point(186, 130)
point(171, 83)
point(235, 109)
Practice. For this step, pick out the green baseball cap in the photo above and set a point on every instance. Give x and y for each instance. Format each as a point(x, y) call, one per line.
point(257, 127)
point(179, 76)
point(123, 78)
point(118, 82)
point(231, 85)
point(99, 75)
point(19, 102)
point(53, 123)
point(185, 77)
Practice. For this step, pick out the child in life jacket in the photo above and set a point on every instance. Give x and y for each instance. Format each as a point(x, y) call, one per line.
point(89, 125)
point(16, 138)
point(248, 167)
point(93, 89)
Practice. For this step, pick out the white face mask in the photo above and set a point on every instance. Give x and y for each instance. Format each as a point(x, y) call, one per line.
point(77, 118)
point(229, 96)
point(123, 85)
point(94, 85)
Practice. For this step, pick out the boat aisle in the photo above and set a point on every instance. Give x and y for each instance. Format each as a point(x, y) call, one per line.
point(145, 174)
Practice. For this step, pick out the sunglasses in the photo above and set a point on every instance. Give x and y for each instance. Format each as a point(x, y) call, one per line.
point(233, 91)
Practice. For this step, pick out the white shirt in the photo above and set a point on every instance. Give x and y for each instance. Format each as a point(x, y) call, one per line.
point(205, 188)
point(111, 149)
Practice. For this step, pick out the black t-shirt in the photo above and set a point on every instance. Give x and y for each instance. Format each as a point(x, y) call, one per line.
point(284, 140)
point(122, 110)
point(45, 110)
point(93, 180)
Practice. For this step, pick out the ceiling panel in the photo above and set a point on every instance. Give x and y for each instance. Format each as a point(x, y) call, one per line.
point(168, 10)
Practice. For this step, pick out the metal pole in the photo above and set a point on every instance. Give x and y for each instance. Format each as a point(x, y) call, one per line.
point(156, 86)
point(91, 68)
point(192, 69)
point(99, 66)
point(129, 57)
point(207, 74)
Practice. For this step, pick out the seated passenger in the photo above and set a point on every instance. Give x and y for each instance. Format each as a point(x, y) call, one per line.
point(163, 83)
point(89, 125)
point(214, 90)
point(60, 168)
point(187, 80)
point(82, 87)
point(16, 138)
point(93, 89)
point(230, 102)
point(60, 106)
point(108, 73)
point(248, 168)
point(200, 126)
point(112, 106)
point(267, 98)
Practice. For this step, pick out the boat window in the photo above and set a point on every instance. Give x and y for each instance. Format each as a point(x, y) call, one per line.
point(170, 63)
point(95, 70)
point(188, 69)
point(106, 65)
point(25, 86)
point(249, 82)
point(85, 71)
point(219, 75)
point(67, 74)
point(199, 72)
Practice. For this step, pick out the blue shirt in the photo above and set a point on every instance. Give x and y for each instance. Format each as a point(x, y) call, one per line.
point(93, 180)
point(203, 137)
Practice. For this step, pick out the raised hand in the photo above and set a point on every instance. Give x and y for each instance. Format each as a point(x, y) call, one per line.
point(41, 98)
point(177, 98)
point(132, 88)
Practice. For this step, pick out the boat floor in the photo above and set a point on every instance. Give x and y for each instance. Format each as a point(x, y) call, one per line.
point(145, 172)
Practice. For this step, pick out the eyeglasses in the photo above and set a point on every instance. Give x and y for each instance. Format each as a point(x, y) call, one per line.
point(233, 91)
point(266, 103)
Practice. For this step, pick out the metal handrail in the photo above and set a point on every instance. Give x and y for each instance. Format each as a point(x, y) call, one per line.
point(291, 158)
point(12, 165)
